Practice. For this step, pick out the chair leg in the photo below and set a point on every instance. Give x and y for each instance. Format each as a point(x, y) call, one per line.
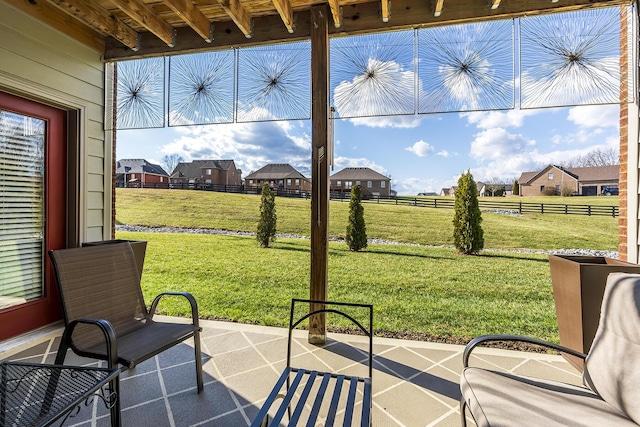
point(114, 389)
point(52, 385)
point(198, 357)
point(463, 407)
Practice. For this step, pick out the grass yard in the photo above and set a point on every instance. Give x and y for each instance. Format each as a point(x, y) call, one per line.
point(423, 292)
point(409, 224)
point(416, 291)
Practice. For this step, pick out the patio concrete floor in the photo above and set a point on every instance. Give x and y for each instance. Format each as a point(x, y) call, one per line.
point(414, 383)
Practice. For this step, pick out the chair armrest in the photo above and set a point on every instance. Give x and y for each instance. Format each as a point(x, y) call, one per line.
point(109, 337)
point(518, 338)
point(187, 295)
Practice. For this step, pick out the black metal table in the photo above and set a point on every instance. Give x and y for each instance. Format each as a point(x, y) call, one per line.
point(33, 394)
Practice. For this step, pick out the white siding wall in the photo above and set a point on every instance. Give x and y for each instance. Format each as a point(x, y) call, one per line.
point(40, 63)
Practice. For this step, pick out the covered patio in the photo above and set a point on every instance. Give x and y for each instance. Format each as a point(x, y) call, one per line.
point(415, 383)
point(53, 53)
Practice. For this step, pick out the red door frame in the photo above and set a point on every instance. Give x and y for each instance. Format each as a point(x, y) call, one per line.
point(34, 314)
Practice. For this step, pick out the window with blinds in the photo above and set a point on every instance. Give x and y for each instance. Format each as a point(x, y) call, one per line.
point(22, 141)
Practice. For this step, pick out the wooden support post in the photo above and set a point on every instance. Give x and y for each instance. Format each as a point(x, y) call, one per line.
point(319, 167)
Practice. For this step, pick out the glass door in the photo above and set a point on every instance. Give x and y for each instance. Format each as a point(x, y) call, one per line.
point(32, 219)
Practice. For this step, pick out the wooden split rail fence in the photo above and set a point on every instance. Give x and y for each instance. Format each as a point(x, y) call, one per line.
point(487, 203)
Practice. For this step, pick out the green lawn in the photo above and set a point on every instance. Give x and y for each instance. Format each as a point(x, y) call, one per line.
point(418, 291)
point(410, 224)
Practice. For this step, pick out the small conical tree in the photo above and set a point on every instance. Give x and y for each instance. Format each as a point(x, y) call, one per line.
point(468, 236)
point(356, 230)
point(267, 224)
point(515, 190)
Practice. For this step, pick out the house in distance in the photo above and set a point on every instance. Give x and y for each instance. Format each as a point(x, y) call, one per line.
point(207, 172)
point(139, 173)
point(279, 176)
point(557, 180)
point(372, 183)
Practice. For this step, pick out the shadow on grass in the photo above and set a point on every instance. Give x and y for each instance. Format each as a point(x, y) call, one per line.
point(451, 255)
point(512, 257)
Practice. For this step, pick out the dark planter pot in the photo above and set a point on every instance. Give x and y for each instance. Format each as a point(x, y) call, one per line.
point(578, 287)
point(139, 248)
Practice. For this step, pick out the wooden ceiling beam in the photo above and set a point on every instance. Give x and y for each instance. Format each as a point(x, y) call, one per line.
point(51, 15)
point(239, 15)
point(267, 30)
point(101, 20)
point(286, 13)
point(336, 13)
point(363, 18)
point(385, 13)
point(193, 17)
point(145, 16)
point(437, 9)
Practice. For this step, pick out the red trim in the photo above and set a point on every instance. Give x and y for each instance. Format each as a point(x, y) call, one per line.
point(34, 314)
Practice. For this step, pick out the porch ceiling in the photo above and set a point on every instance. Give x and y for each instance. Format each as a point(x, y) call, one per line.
point(140, 28)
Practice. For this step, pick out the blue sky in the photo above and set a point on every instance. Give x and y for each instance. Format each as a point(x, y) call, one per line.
point(424, 152)
point(420, 153)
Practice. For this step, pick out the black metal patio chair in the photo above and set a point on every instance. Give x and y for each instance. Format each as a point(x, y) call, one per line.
point(311, 396)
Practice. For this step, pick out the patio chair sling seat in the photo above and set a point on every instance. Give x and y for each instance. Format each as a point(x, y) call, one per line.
point(103, 282)
point(133, 347)
point(611, 375)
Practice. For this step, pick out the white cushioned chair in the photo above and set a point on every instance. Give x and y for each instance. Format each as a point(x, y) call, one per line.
point(610, 395)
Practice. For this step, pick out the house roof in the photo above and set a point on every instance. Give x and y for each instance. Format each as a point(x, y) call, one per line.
point(193, 169)
point(276, 171)
point(595, 173)
point(155, 28)
point(525, 177)
point(599, 173)
point(139, 166)
point(360, 174)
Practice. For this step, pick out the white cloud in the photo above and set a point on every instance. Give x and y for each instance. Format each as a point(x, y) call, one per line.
point(445, 153)
point(421, 148)
point(493, 119)
point(362, 95)
point(250, 145)
point(590, 116)
point(401, 122)
point(497, 143)
point(413, 186)
point(581, 136)
point(593, 124)
point(596, 83)
point(509, 168)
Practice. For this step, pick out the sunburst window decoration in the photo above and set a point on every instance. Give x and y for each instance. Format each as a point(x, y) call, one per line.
point(466, 67)
point(201, 88)
point(570, 58)
point(373, 75)
point(140, 94)
point(274, 82)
